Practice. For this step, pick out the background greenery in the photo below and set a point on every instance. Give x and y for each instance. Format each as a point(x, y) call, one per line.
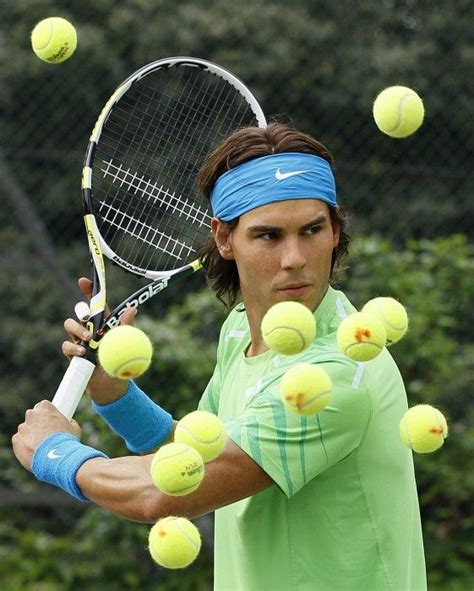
point(319, 64)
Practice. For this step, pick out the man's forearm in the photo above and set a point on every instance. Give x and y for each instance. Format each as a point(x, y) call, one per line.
point(122, 486)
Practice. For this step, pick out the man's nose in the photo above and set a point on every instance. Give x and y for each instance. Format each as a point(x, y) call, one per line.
point(293, 255)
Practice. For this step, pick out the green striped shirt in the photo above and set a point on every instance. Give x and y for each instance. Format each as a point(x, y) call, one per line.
point(343, 513)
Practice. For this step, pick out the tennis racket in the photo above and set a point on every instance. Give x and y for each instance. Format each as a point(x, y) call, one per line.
point(142, 209)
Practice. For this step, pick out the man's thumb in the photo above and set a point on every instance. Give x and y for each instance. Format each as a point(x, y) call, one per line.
point(85, 285)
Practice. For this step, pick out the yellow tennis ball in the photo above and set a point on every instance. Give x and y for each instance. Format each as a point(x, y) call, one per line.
point(125, 352)
point(398, 111)
point(361, 336)
point(306, 389)
point(203, 431)
point(174, 542)
point(177, 469)
point(423, 428)
point(391, 314)
point(288, 328)
point(54, 40)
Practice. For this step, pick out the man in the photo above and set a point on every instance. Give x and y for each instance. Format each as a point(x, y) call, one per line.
point(325, 502)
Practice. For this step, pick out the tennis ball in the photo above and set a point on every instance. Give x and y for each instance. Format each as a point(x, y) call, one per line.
point(423, 428)
point(125, 352)
point(288, 328)
point(398, 111)
point(54, 40)
point(174, 542)
point(391, 314)
point(203, 431)
point(361, 336)
point(305, 389)
point(177, 469)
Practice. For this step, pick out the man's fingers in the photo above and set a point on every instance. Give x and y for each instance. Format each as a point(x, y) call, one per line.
point(72, 349)
point(76, 331)
point(128, 316)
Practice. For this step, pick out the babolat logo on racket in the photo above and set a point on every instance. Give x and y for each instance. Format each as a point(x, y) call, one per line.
point(127, 265)
point(148, 292)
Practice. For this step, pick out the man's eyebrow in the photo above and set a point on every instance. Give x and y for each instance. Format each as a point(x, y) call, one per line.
point(316, 222)
point(262, 228)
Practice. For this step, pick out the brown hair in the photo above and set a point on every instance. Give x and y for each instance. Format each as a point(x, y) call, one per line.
point(246, 144)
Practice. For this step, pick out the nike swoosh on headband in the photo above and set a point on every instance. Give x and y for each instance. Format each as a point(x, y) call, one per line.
point(280, 176)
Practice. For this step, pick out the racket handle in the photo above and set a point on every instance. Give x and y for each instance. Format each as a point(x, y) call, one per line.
point(73, 385)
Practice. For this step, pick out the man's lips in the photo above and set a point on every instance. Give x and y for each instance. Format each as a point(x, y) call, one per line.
point(295, 288)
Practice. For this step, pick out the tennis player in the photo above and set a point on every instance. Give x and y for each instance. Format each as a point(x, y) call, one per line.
point(325, 502)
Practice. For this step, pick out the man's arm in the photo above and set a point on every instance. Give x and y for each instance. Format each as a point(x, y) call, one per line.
point(124, 485)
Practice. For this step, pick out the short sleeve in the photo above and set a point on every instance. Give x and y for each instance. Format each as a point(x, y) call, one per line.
point(294, 449)
point(210, 399)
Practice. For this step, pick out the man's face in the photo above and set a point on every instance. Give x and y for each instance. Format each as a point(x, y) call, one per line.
point(283, 252)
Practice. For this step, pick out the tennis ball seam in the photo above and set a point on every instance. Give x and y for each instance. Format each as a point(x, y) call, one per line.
point(308, 402)
point(129, 361)
point(396, 327)
point(196, 438)
point(412, 440)
point(180, 540)
point(51, 33)
point(440, 426)
point(185, 535)
point(289, 328)
point(171, 456)
point(401, 105)
point(373, 343)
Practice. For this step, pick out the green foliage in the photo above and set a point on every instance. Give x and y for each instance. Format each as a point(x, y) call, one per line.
point(97, 550)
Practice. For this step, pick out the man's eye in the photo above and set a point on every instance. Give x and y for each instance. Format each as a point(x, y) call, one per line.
point(268, 236)
point(313, 230)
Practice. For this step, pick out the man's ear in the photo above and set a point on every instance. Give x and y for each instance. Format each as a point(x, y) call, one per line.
point(222, 238)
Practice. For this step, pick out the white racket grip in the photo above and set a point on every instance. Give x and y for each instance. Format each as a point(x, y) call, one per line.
point(72, 386)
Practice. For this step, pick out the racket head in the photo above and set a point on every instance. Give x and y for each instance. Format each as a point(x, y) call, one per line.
point(141, 165)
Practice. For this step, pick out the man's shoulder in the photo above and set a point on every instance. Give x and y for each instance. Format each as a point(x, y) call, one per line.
point(234, 331)
point(236, 320)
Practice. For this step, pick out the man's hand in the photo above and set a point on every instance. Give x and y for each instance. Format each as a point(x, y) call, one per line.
point(102, 388)
point(40, 422)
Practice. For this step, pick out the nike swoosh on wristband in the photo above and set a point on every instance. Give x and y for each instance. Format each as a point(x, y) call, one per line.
point(52, 455)
point(280, 176)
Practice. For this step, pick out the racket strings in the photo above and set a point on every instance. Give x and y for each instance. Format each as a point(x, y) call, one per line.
point(144, 232)
point(152, 145)
point(174, 204)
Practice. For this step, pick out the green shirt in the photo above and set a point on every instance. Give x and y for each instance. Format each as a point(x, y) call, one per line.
point(343, 513)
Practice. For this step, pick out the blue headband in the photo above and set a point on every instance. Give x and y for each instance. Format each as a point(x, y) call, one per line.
point(278, 177)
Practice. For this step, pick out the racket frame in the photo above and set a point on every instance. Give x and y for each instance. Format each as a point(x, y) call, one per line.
point(80, 370)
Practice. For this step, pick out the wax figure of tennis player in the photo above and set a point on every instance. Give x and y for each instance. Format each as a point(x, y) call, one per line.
point(325, 502)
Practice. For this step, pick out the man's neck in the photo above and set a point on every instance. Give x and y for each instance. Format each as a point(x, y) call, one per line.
point(255, 316)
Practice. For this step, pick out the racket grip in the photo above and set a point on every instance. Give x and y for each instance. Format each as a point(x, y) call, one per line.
point(72, 386)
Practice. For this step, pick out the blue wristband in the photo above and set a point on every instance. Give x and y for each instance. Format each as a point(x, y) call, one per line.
point(58, 458)
point(141, 423)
